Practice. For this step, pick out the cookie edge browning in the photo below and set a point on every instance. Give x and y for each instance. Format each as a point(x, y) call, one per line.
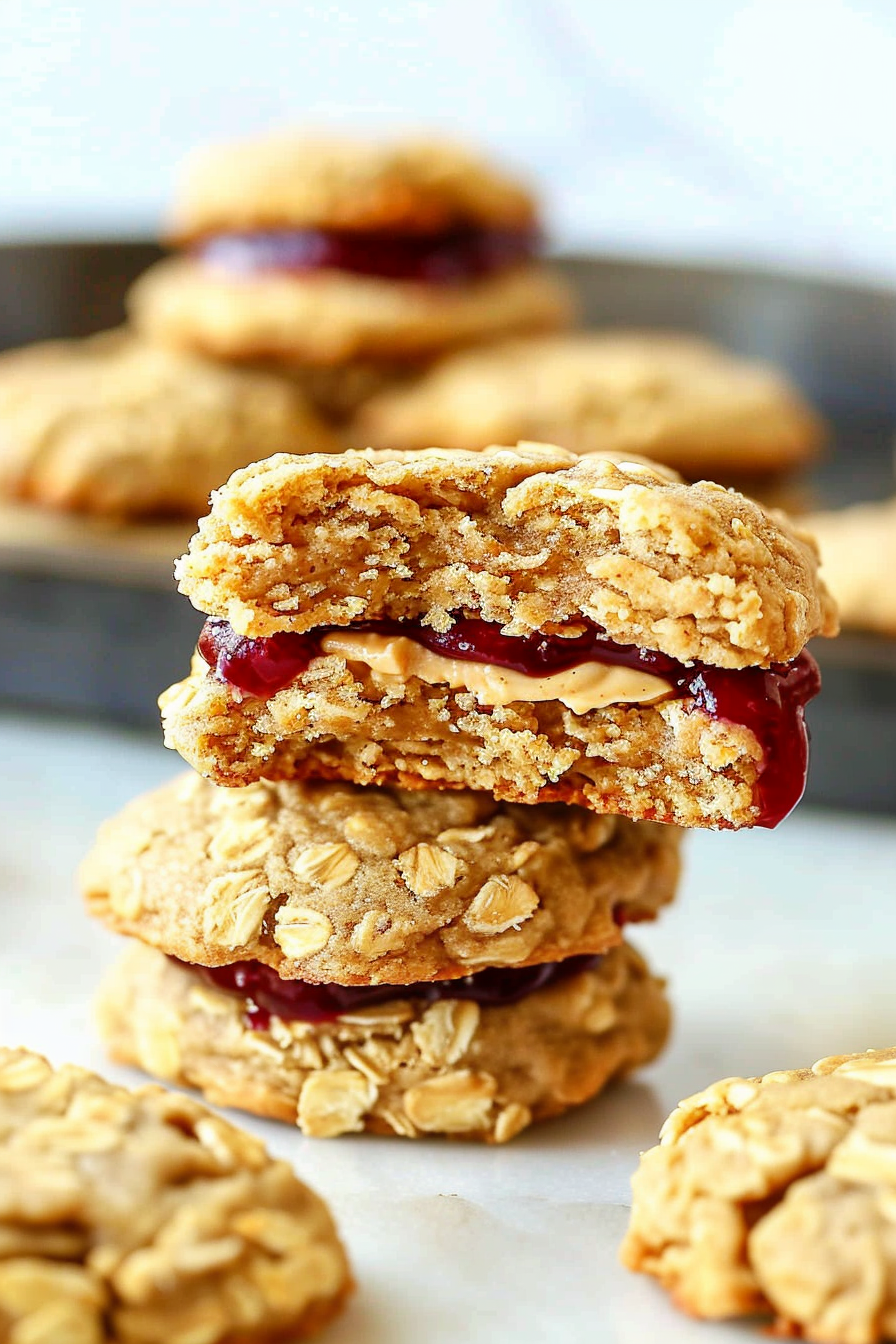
point(761, 603)
point(147, 989)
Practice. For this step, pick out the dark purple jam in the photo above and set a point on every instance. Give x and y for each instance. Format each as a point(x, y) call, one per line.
point(268, 996)
point(439, 259)
point(767, 701)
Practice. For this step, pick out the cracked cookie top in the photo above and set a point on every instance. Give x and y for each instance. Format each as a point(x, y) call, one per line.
point(528, 537)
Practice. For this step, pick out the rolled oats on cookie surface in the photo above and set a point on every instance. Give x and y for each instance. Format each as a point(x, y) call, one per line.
point(521, 621)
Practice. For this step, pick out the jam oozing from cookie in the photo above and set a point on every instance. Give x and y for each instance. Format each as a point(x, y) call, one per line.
point(268, 996)
point(440, 259)
point(768, 701)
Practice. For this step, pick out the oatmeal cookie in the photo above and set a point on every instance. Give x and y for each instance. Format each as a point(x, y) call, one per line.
point(546, 628)
point(333, 883)
point(669, 762)
point(526, 537)
point(115, 425)
point(331, 318)
point(399, 1068)
point(858, 555)
point(300, 181)
point(776, 1195)
point(128, 1217)
point(674, 398)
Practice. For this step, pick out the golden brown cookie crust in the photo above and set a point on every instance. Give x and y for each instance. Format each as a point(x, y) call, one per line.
point(333, 884)
point(400, 1068)
point(858, 556)
point(294, 181)
point(137, 1215)
point(775, 1195)
point(673, 398)
point(115, 425)
point(669, 762)
point(330, 317)
point(526, 537)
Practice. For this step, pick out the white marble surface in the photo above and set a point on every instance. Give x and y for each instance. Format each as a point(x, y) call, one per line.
point(779, 951)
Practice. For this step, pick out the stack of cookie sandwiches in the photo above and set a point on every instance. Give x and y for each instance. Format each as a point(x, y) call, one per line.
point(351, 264)
point(448, 713)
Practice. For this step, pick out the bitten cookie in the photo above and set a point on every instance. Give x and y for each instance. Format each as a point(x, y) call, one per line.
point(329, 252)
point(402, 1067)
point(522, 621)
point(135, 1216)
point(329, 882)
point(858, 555)
point(674, 398)
point(775, 1195)
point(114, 425)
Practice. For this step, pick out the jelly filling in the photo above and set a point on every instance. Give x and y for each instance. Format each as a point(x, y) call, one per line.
point(767, 701)
point(440, 259)
point(268, 996)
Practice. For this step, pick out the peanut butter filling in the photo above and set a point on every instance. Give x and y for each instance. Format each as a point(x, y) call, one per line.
point(588, 686)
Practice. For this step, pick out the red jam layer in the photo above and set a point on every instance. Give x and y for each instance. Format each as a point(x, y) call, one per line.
point(443, 259)
point(767, 701)
point(268, 996)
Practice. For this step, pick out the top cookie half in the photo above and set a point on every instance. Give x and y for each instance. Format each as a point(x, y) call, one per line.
point(299, 181)
point(528, 538)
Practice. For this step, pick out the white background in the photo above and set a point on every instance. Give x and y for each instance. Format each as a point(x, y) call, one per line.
point(752, 129)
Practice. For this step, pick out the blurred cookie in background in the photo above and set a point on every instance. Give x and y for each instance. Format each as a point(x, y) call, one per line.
point(858, 556)
point(339, 254)
point(114, 425)
point(675, 398)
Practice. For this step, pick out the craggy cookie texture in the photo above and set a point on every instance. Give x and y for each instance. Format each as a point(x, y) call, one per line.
point(330, 883)
point(129, 1217)
point(115, 425)
point(399, 1068)
point(526, 537)
point(332, 317)
point(858, 556)
point(299, 181)
point(778, 1195)
point(673, 398)
point(668, 762)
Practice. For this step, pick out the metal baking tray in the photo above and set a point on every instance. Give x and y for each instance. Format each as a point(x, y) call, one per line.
point(89, 618)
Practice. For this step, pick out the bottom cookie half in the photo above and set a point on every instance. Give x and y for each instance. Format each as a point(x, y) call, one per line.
point(400, 1068)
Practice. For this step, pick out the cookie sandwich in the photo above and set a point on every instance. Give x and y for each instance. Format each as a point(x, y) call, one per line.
point(351, 958)
point(670, 397)
point(115, 426)
point(774, 1197)
point(542, 627)
point(135, 1216)
point(349, 262)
